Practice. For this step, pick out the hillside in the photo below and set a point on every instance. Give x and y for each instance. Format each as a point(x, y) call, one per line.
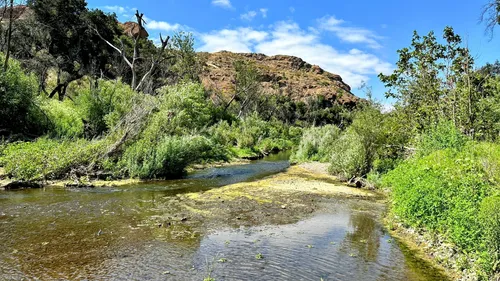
point(288, 75)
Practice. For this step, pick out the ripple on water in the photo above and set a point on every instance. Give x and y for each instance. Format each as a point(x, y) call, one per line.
point(55, 234)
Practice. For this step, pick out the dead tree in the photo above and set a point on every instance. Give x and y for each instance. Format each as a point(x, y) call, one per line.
point(132, 63)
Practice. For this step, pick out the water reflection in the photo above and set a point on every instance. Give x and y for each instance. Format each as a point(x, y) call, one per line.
point(103, 234)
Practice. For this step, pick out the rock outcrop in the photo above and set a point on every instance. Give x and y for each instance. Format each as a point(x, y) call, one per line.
point(132, 29)
point(281, 74)
point(20, 12)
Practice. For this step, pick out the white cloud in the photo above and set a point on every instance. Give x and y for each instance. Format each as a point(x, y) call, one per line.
point(288, 38)
point(248, 16)
point(222, 3)
point(264, 11)
point(350, 34)
point(115, 9)
point(239, 40)
point(162, 25)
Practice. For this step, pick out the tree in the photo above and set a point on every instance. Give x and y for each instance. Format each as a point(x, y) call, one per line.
point(187, 64)
point(491, 15)
point(132, 63)
point(9, 35)
point(74, 44)
point(246, 88)
point(426, 78)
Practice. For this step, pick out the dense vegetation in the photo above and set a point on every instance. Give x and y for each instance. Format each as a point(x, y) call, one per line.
point(436, 152)
point(73, 105)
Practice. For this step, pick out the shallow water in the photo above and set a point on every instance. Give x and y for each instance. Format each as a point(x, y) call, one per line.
point(103, 234)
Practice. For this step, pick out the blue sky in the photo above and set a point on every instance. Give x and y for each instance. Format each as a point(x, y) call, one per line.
point(357, 39)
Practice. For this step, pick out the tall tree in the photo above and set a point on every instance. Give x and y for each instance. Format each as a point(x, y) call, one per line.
point(74, 44)
point(425, 80)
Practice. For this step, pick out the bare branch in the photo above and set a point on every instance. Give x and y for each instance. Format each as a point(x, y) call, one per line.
point(155, 62)
point(120, 51)
point(490, 15)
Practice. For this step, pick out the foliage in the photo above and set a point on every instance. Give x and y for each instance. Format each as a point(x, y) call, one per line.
point(316, 143)
point(491, 15)
point(489, 218)
point(442, 136)
point(348, 157)
point(364, 144)
point(64, 117)
point(318, 111)
point(426, 78)
point(19, 112)
point(252, 137)
point(74, 44)
point(103, 107)
point(246, 89)
point(186, 64)
point(48, 159)
point(168, 156)
point(183, 109)
point(445, 192)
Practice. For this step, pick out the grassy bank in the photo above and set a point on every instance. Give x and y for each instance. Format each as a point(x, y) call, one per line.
point(453, 193)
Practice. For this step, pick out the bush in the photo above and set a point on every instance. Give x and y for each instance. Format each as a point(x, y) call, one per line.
point(255, 137)
point(64, 118)
point(354, 153)
point(183, 110)
point(348, 157)
point(103, 107)
point(19, 111)
point(442, 192)
point(490, 221)
point(442, 136)
point(48, 159)
point(169, 156)
point(316, 144)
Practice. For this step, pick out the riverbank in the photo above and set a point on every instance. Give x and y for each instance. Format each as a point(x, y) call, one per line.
point(436, 250)
point(5, 181)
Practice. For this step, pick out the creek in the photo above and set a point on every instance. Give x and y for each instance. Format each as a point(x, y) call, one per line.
point(120, 233)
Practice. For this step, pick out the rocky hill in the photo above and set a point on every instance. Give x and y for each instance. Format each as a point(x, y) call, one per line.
point(287, 75)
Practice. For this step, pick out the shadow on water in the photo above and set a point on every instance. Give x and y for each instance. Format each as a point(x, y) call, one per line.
point(101, 234)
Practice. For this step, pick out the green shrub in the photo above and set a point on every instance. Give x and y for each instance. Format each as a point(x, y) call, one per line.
point(441, 192)
point(169, 156)
point(254, 137)
point(442, 136)
point(103, 107)
point(65, 120)
point(48, 159)
point(222, 133)
point(19, 111)
point(250, 131)
point(348, 157)
point(356, 152)
point(490, 221)
point(183, 110)
point(316, 144)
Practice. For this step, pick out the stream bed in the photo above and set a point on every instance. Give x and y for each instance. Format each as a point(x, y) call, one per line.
point(121, 233)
